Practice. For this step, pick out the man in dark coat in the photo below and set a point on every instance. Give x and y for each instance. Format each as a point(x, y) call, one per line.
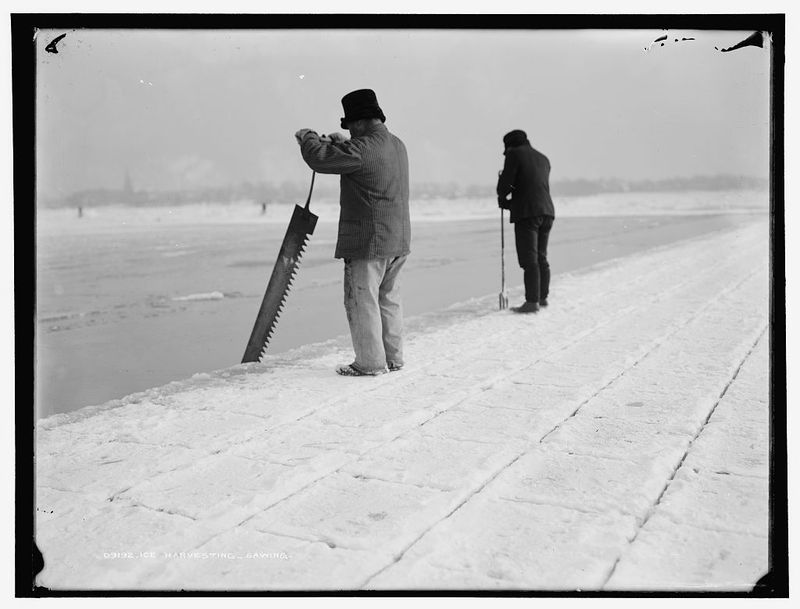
point(374, 227)
point(526, 177)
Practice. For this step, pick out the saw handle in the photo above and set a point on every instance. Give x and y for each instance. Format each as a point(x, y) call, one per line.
point(310, 190)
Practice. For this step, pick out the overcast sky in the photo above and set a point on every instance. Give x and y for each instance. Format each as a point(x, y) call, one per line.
point(182, 109)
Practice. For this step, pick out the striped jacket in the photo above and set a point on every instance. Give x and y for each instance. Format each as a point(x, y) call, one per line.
point(374, 219)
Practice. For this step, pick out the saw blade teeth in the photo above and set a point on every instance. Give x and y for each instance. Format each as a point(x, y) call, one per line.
point(285, 270)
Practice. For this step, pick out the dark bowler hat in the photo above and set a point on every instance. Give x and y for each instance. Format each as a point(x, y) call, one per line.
point(515, 138)
point(361, 104)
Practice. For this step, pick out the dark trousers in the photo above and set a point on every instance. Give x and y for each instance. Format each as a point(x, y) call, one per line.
point(532, 235)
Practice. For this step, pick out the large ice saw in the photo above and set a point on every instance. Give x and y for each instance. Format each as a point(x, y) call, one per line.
point(300, 227)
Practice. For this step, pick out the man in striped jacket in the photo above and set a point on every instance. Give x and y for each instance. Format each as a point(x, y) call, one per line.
point(374, 227)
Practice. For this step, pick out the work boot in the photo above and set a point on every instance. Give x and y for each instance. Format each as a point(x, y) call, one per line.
point(543, 302)
point(527, 307)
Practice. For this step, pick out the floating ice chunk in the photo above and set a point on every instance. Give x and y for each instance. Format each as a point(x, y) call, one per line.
point(203, 296)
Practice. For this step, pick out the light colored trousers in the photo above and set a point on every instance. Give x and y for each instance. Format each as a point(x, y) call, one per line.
point(374, 311)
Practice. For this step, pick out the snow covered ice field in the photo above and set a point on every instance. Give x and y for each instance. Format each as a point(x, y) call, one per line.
point(617, 440)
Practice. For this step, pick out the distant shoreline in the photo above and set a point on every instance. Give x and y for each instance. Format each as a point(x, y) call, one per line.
point(287, 192)
point(115, 217)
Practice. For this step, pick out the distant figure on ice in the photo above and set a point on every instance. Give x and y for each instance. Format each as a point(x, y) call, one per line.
point(80, 211)
point(374, 227)
point(263, 208)
point(526, 176)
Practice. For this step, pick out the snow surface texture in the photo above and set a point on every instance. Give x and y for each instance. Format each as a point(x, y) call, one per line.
point(617, 440)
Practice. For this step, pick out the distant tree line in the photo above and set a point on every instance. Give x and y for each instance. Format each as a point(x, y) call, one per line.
point(585, 187)
point(264, 192)
point(718, 182)
point(296, 192)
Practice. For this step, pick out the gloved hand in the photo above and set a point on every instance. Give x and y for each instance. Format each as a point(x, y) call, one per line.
point(302, 133)
point(503, 203)
point(337, 137)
